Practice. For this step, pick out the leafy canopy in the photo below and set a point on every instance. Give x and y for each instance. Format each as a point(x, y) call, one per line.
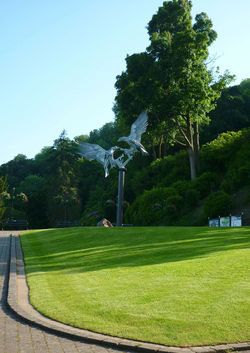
point(171, 78)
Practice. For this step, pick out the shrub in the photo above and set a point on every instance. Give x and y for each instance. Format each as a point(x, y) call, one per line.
point(182, 186)
point(144, 212)
point(229, 150)
point(216, 155)
point(91, 217)
point(217, 204)
point(173, 207)
point(244, 174)
point(230, 182)
point(17, 214)
point(191, 198)
point(177, 171)
point(185, 188)
point(206, 183)
point(236, 177)
point(131, 213)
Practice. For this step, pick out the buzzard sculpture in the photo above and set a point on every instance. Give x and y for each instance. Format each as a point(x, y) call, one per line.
point(134, 139)
point(92, 152)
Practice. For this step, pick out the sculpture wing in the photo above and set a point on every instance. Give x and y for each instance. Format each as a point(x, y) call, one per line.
point(92, 151)
point(139, 127)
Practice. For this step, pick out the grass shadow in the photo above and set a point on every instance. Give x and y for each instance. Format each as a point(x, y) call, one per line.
point(93, 249)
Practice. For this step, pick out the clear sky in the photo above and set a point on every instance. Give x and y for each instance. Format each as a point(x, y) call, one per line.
point(59, 60)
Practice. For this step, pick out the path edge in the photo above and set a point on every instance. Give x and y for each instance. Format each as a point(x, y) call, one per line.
point(34, 318)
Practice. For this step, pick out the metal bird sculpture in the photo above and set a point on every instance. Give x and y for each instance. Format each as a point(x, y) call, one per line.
point(134, 139)
point(92, 152)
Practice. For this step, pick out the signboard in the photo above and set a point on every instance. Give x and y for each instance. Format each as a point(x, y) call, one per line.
point(214, 222)
point(233, 221)
point(225, 222)
point(236, 221)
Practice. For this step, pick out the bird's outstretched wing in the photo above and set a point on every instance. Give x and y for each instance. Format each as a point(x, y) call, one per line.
point(139, 126)
point(92, 151)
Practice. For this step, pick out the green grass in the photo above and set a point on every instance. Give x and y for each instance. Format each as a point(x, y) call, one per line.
point(174, 285)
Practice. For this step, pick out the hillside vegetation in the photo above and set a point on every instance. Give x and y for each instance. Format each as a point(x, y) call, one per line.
point(60, 185)
point(157, 192)
point(170, 198)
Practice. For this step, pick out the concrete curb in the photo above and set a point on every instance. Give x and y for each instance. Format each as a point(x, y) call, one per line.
point(18, 302)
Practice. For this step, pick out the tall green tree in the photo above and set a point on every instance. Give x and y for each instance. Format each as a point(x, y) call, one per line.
point(62, 177)
point(17, 169)
point(171, 78)
point(106, 136)
point(36, 189)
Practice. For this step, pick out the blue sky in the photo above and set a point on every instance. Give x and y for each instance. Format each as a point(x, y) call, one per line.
point(59, 60)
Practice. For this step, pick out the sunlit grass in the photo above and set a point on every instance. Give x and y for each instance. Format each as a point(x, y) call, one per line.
point(175, 286)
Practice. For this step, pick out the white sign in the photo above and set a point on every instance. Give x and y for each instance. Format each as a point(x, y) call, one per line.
point(236, 221)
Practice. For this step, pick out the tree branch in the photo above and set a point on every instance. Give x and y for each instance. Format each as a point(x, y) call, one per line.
point(177, 141)
point(180, 143)
point(184, 135)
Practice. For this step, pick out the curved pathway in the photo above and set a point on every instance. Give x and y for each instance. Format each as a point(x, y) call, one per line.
point(24, 330)
point(18, 336)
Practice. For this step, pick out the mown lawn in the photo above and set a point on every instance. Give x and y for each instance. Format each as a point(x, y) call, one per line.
point(169, 285)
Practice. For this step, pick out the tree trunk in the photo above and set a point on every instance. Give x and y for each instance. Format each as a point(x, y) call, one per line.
point(165, 148)
point(192, 163)
point(153, 148)
point(160, 147)
point(191, 151)
point(197, 146)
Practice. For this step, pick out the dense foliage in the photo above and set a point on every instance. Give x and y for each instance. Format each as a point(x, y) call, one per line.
point(156, 192)
point(232, 112)
point(172, 80)
point(225, 164)
point(217, 203)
